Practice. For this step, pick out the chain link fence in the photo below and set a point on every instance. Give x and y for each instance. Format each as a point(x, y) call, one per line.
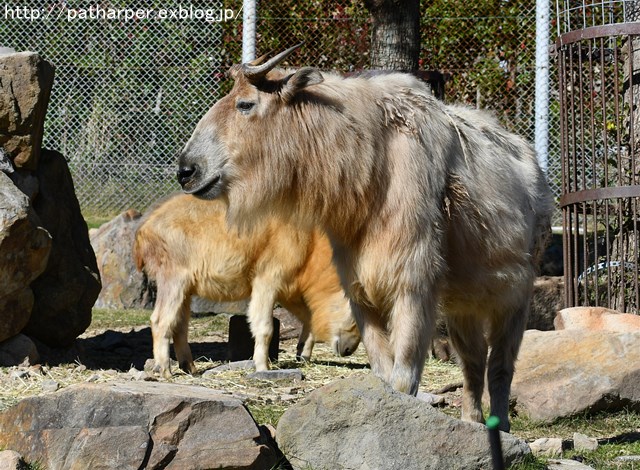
point(129, 91)
point(130, 85)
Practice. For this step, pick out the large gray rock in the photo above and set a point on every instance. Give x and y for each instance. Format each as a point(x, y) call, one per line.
point(123, 286)
point(24, 95)
point(24, 251)
point(135, 425)
point(66, 291)
point(570, 372)
point(361, 423)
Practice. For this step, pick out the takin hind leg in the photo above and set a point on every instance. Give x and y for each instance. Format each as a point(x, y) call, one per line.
point(260, 316)
point(180, 339)
point(467, 337)
point(170, 305)
point(505, 337)
point(375, 338)
point(412, 325)
point(306, 341)
point(305, 344)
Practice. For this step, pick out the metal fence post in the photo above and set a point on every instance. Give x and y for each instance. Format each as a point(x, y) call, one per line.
point(248, 30)
point(542, 83)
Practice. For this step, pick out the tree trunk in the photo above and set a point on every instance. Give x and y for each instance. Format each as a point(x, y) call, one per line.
point(625, 242)
point(395, 37)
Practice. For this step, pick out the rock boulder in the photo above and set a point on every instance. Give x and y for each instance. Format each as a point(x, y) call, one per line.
point(123, 286)
point(24, 251)
point(361, 423)
point(11, 460)
point(18, 350)
point(570, 372)
point(66, 291)
point(135, 425)
point(24, 95)
point(596, 318)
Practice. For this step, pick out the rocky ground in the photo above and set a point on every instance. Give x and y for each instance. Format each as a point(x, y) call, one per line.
point(116, 349)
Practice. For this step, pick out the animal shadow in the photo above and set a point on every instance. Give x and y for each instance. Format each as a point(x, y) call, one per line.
point(121, 351)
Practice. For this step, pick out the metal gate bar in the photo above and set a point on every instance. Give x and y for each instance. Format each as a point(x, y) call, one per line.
point(600, 181)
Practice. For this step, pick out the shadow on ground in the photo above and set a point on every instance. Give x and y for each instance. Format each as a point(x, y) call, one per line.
point(121, 351)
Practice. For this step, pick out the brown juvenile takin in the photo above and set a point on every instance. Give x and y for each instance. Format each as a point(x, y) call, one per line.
point(426, 205)
point(186, 246)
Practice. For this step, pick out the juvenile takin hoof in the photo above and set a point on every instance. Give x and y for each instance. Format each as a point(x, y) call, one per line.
point(188, 367)
point(303, 359)
point(156, 369)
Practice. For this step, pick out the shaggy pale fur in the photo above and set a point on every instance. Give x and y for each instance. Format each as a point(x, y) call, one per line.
point(426, 206)
point(186, 246)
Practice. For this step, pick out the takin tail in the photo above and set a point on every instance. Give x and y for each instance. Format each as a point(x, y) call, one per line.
point(138, 250)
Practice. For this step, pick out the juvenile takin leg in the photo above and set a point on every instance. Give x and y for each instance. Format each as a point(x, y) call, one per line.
point(375, 337)
point(181, 340)
point(166, 315)
point(412, 326)
point(305, 340)
point(260, 316)
point(505, 338)
point(467, 337)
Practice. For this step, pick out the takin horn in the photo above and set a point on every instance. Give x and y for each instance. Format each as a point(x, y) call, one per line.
point(236, 68)
point(260, 59)
point(252, 70)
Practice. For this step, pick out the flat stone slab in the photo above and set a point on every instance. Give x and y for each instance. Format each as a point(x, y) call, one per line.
point(277, 374)
point(566, 464)
point(235, 365)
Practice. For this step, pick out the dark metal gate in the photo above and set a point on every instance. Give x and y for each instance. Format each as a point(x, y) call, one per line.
point(599, 72)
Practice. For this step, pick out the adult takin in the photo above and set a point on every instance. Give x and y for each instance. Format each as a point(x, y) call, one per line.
point(427, 206)
point(186, 246)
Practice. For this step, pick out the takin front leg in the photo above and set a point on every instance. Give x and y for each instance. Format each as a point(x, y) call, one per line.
point(260, 316)
point(375, 338)
point(412, 326)
point(505, 337)
point(170, 305)
point(467, 337)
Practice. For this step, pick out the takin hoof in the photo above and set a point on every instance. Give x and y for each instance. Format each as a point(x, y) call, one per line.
point(189, 367)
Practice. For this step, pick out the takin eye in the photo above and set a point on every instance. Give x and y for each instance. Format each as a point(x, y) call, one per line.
point(245, 106)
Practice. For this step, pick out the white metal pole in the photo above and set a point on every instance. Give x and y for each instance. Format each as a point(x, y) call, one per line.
point(542, 83)
point(248, 30)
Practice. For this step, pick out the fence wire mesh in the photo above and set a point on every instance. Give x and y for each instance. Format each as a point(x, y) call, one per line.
point(128, 92)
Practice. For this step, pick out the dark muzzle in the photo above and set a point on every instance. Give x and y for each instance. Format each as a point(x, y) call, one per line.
point(186, 173)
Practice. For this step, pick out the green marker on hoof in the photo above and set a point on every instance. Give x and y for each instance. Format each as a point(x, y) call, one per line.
point(493, 425)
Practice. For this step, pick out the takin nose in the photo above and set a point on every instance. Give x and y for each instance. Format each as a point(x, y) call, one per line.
point(346, 346)
point(186, 174)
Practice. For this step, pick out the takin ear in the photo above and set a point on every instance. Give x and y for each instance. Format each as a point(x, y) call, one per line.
point(301, 79)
